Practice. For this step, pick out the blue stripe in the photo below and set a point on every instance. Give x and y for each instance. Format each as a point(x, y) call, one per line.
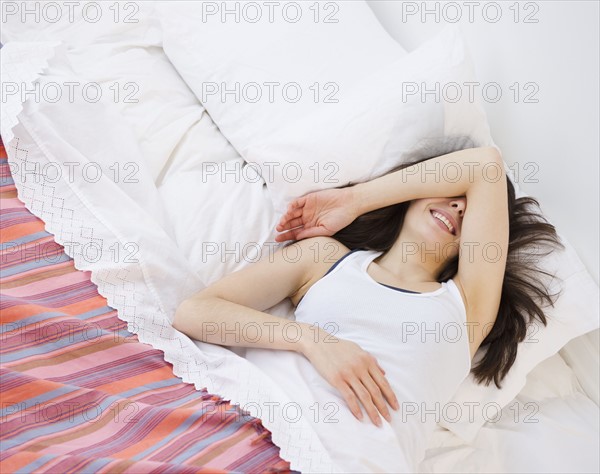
point(49, 259)
point(42, 317)
point(26, 239)
point(93, 379)
point(66, 339)
point(35, 465)
point(182, 401)
point(99, 463)
point(197, 446)
point(94, 413)
point(150, 386)
point(44, 397)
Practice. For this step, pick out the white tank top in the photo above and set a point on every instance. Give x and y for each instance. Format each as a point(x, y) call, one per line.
point(419, 339)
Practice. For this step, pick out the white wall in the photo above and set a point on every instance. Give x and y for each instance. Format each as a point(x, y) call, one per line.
point(559, 135)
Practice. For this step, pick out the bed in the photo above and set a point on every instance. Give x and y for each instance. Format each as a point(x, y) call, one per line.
point(139, 210)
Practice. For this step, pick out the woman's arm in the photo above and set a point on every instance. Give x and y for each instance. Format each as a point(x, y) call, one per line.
point(444, 176)
point(479, 175)
point(327, 211)
point(231, 312)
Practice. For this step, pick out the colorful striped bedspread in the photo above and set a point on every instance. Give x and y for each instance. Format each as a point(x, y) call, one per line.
point(79, 393)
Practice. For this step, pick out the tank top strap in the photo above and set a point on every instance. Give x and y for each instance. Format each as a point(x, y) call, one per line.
point(367, 258)
point(358, 254)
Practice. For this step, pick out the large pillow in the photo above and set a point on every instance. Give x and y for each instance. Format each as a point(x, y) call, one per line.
point(411, 108)
point(349, 105)
point(115, 53)
point(254, 75)
point(148, 101)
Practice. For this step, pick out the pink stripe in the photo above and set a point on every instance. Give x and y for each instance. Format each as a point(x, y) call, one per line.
point(94, 359)
point(47, 284)
point(11, 203)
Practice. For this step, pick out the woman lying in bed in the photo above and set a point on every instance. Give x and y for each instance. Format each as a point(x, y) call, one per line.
point(421, 269)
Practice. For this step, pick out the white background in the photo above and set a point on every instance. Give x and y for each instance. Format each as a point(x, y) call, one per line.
point(559, 135)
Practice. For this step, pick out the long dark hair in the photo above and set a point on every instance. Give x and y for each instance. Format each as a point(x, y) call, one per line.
point(531, 237)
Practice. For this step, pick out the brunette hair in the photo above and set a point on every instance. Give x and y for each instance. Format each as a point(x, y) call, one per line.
point(531, 237)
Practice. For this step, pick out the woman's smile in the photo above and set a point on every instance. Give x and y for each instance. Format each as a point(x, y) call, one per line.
point(444, 221)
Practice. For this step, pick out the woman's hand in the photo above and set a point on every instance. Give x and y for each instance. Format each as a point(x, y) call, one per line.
point(354, 372)
point(319, 213)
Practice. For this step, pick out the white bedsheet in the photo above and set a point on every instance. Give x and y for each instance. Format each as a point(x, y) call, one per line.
point(550, 427)
point(171, 221)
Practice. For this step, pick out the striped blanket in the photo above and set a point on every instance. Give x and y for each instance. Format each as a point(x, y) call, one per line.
point(79, 393)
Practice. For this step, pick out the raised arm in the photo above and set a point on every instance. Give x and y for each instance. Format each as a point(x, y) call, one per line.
point(478, 174)
point(443, 176)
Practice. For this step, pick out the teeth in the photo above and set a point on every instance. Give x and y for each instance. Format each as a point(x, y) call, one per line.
point(444, 220)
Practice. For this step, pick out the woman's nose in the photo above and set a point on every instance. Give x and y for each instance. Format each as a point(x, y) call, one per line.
point(459, 205)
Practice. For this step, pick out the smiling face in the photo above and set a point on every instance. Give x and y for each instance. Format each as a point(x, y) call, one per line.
point(433, 221)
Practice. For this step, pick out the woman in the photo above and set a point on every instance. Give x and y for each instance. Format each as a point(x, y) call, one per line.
point(422, 269)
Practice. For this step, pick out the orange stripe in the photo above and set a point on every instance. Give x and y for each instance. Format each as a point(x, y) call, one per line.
point(28, 390)
point(160, 431)
point(8, 192)
point(84, 306)
point(157, 375)
point(120, 467)
point(17, 231)
point(82, 430)
point(217, 448)
point(18, 461)
point(16, 313)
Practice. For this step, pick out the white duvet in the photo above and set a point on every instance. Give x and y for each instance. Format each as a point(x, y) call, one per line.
point(178, 226)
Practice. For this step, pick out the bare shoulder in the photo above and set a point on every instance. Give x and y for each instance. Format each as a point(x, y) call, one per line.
point(318, 255)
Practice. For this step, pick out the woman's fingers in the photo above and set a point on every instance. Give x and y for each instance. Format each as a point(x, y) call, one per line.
point(376, 396)
point(365, 398)
point(350, 398)
point(295, 222)
point(292, 234)
point(286, 221)
point(385, 387)
point(296, 205)
point(300, 233)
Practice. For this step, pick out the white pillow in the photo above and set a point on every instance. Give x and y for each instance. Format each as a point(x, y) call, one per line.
point(382, 121)
point(575, 313)
point(327, 49)
point(124, 61)
point(303, 146)
point(185, 153)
